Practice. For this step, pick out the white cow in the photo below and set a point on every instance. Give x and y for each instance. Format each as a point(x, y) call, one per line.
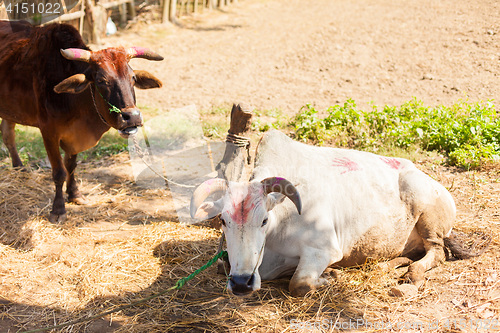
point(352, 206)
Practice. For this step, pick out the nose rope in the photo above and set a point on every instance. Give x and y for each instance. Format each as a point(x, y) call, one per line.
point(112, 108)
point(95, 106)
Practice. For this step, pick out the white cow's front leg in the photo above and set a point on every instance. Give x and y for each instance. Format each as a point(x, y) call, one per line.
point(312, 263)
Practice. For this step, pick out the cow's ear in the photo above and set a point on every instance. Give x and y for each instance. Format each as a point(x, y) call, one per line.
point(146, 80)
point(208, 210)
point(72, 85)
point(274, 199)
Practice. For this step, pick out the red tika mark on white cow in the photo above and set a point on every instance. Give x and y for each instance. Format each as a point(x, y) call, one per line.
point(344, 162)
point(392, 162)
point(242, 205)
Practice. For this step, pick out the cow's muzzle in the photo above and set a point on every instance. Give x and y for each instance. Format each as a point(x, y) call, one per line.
point(131, 119)
point(241, 285)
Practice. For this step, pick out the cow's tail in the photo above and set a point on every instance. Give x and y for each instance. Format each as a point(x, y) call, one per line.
point(457, 245)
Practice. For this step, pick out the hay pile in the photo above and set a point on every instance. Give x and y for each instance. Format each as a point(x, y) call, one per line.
point(118, 250)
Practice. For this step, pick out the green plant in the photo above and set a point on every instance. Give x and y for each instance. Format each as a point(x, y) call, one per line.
point(308, 126)
point(467, 133)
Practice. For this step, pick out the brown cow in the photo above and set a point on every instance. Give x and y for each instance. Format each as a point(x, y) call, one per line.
point(51, 80)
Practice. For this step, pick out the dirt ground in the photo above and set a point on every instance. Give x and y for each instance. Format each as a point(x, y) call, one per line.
point(271, 54)
point(276, 54)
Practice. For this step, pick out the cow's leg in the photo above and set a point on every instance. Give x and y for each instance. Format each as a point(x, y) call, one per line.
point(434, 256)
point(312, 264)
point(74, 194)
point(9, 138)
point(395, 263)
point(430, 227)
point(275, 265)
point(59, 174)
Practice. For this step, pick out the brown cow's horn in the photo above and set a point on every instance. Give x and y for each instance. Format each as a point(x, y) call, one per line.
point(76, 54)
point(203, 191)
point(283, 186)
point(142, 52)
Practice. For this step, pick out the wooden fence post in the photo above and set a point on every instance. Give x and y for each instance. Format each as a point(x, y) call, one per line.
point(122, 9)
point(173, 11)
point(237, 153)
point(164, 11)
point(131, 8)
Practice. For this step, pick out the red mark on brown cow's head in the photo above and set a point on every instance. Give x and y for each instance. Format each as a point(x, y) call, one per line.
point(344, 162)
point(392, 162)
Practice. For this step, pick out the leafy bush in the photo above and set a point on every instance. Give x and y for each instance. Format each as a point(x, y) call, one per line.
point(467, 133)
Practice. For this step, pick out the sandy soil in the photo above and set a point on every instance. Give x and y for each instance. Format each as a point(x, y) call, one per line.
point(270, 54)
point(283, 54)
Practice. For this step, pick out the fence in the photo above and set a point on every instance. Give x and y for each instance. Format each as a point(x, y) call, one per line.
point(37, 11)
point(171, 9)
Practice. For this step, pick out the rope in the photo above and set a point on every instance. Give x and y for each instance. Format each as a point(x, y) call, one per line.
point(95, 106)
point(181, 282)
point(241, 142)
point(138, 148)
point(112, 108)
point(143, 155)
point(178, 285)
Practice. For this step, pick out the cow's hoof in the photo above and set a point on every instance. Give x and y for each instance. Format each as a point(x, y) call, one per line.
point(415, 275)
point(395, 263)
point(300, 291)
point(57, 218)
point(21, 168)
point(78, 200)
point(331, 273)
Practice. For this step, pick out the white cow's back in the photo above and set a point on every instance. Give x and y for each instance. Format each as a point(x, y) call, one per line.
point(354, 196)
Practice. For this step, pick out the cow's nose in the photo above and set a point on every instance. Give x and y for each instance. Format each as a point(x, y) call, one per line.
point(132, 117)
point(241, 284)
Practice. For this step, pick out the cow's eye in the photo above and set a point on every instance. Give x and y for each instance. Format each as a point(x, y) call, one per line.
point(222, 221)
point(101, 80)
point(264, 222)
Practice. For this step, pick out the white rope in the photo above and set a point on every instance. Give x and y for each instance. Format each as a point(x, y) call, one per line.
point(142, 156)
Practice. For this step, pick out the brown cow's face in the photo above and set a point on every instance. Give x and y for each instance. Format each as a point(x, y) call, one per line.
point(112, 82)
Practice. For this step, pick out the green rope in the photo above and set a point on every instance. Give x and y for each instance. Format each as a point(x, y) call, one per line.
point(178, 285)
point(112, 108)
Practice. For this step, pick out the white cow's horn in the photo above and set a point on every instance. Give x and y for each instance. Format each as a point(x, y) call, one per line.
point(283, 186)
point(203, 191)
point(76, 54)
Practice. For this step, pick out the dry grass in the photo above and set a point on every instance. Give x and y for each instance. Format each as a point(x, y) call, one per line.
point(125, 246)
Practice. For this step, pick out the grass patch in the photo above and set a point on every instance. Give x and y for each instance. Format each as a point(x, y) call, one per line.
point(29, 144)
point(269, 119)
point(215, 121)
point(111, 143)
point(468, 134)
